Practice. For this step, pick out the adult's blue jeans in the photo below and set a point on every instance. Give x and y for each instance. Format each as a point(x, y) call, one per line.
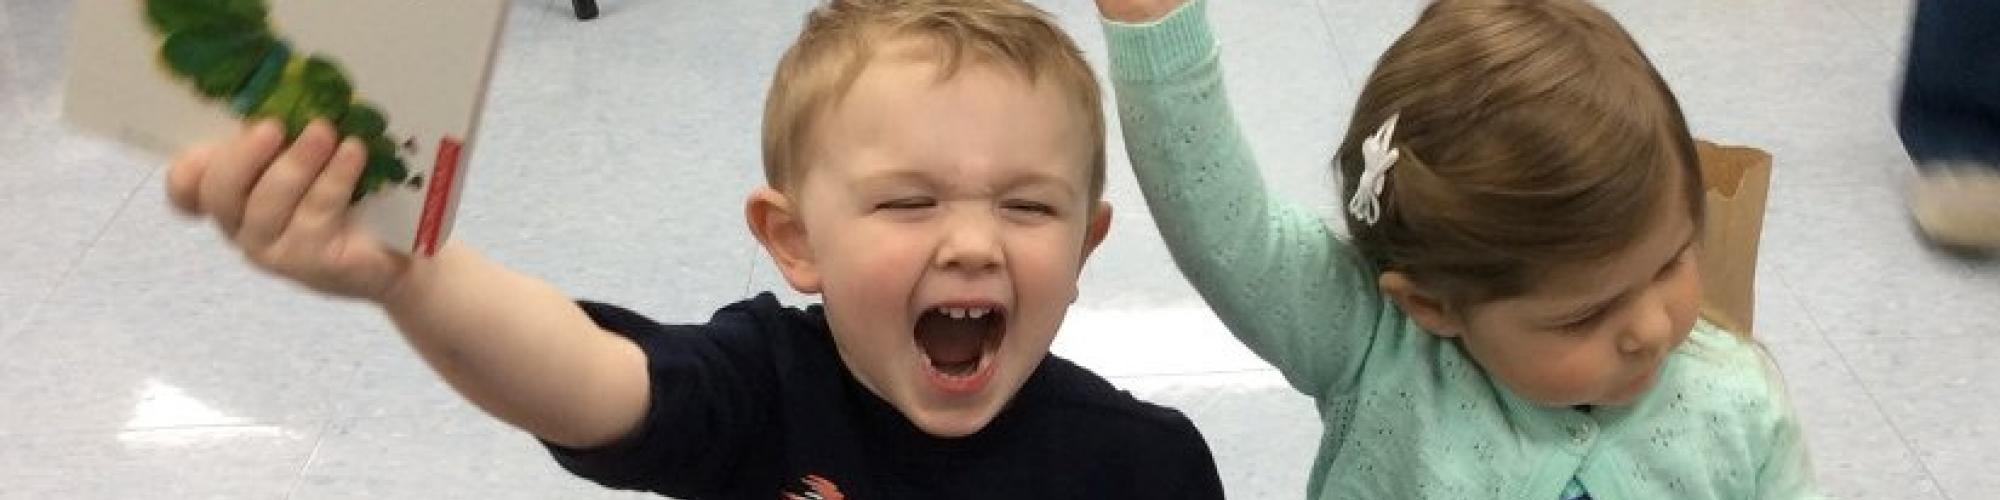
point(1950, 109)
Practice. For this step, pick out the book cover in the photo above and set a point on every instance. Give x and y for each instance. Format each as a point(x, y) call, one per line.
point(407, 77)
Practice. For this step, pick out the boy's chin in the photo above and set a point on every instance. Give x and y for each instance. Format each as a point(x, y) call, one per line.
point(956, 419)
point(951, 423)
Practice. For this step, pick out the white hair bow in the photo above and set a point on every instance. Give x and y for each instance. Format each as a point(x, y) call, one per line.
point(1377, 155)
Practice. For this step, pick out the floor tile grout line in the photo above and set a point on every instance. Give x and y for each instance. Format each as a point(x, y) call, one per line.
point(319, 442)
point(1906, 338)
point(1885, 49)
point(1848, 366)
point(11, 53)
point(1240, 371)
point(1855, 16)
point(1333, 43)
point(200, 427)
point(338, 413)
point(69, 267)
point(1915, 455)
point(1799, 301)
point(1888, 51)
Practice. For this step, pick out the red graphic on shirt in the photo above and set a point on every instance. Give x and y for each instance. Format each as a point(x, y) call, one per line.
point(817, 488)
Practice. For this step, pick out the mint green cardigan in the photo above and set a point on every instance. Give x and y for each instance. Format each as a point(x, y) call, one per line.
point(1407, 414)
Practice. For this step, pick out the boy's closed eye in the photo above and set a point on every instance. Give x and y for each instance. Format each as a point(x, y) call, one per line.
point(1029, 207)
point(1024, 207)
point(907, 203)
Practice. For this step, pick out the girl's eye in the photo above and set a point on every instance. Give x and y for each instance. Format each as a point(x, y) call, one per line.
point(1580, 325)
point(1030, 207)
point(1673, 265)
point(906, 204)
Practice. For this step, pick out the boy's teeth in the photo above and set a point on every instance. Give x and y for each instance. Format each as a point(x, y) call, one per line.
point(964, 312)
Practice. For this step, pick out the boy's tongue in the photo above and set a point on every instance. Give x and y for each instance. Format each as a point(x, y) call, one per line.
point(953, 345)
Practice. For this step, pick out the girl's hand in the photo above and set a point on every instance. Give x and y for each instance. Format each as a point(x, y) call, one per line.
point(287, 212)
point(1136, 11)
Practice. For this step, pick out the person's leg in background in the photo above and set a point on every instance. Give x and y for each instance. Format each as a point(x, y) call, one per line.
point(1949, 119)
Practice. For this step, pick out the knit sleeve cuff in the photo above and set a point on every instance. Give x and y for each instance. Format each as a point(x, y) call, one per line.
point(1161, 48)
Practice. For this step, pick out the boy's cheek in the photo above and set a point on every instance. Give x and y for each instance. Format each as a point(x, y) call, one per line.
point(1061, 246)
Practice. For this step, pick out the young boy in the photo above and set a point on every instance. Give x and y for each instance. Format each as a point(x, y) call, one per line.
point(934, 170)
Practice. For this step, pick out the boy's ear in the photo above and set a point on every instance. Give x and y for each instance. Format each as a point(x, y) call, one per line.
point(1100, 226)
point(775, 221)
point(1094, 231)
point(1430, 311)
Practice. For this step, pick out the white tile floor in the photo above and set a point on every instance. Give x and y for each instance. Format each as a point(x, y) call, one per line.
point(139, 359)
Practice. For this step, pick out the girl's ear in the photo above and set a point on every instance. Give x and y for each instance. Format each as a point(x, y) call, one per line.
point(1428, 309)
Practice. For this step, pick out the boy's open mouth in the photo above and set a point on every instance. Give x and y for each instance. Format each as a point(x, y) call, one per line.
point(957, 341)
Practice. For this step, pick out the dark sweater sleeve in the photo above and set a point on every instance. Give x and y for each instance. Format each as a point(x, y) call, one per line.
point(711, 387)
point(1141, 449)
point(1186, 466)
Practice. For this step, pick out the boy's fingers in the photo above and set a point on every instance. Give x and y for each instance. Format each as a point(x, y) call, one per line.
point(226, 183)
point(184, 178)
point(276, 194)
point(325, 203)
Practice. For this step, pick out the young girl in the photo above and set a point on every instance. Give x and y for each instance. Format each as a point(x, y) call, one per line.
point(1515, 312)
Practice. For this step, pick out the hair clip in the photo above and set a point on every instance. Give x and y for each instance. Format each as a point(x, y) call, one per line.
point(1377, 155)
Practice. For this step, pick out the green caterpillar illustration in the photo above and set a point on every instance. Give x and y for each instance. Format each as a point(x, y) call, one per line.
point(226, 50)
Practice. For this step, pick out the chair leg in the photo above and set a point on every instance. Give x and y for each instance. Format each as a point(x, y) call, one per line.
point(585, 9)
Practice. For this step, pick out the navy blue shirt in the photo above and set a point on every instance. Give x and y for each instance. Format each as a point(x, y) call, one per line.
point(756, 404)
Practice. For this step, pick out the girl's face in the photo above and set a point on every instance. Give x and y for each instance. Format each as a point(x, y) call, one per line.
point(1594, 333)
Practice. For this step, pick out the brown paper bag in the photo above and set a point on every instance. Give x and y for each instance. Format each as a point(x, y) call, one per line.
point(1738, 181)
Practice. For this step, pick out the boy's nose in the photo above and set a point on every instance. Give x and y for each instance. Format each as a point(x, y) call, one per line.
point(970, 245)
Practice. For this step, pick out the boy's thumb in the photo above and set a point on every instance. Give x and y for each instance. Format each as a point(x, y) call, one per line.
point(184, 178)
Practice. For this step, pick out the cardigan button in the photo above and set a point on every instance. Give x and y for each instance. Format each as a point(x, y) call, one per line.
point(1580, 434)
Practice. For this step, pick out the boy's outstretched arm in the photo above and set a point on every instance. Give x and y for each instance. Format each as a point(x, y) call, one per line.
point(510, 343)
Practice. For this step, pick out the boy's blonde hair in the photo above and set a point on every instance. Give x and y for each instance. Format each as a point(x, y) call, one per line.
point(841, 36)
point(1533, 134)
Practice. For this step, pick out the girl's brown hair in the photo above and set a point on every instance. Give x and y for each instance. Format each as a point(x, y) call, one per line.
point(1533, 134)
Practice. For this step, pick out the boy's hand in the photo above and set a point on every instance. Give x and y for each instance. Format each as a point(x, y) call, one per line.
point(287, 211)
point(512, 344)
point(1136, 11)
